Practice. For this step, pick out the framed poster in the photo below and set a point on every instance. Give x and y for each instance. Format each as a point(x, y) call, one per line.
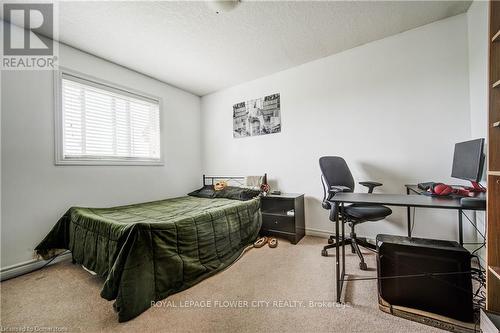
point(257, 117)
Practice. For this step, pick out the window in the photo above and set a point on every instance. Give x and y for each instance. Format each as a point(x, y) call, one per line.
point(99, 123)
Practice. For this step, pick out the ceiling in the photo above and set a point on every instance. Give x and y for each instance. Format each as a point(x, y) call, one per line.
point(188, 45)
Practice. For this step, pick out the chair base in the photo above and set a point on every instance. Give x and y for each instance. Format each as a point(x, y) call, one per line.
point(355, 243)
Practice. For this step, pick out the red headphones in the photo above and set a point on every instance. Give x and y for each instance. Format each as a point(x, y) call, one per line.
point(441, 189)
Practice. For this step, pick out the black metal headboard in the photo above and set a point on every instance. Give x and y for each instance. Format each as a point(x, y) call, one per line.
point(237, 179)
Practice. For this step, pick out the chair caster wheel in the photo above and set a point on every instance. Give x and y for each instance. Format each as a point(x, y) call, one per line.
point(363, 266)
point(324, 253)
point(330, 241)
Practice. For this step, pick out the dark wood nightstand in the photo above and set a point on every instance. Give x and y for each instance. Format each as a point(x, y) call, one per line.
point(276, 222)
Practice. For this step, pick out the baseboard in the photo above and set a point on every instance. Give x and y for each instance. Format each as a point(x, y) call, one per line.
point(327, 234)
point(29, 266)
point(318, 233)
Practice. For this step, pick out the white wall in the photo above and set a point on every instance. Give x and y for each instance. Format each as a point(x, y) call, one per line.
point(477, 22)
point(35, 192)
point(477, 18)
point(392, 108)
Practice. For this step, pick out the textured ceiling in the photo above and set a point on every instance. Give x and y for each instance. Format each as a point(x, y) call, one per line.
point(189, 46)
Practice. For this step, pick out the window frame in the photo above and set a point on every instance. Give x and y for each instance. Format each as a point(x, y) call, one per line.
point(60, 159)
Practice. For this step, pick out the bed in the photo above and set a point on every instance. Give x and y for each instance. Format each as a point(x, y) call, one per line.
point(148, 251)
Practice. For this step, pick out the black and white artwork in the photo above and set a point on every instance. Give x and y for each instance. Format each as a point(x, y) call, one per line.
point(257, 117)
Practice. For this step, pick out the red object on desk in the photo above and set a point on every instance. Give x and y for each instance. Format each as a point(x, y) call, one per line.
point(441, 189)
point(470, 191)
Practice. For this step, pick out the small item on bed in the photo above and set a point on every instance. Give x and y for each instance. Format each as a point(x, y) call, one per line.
point(254, 182)
point(220, 185)
point(265, 188)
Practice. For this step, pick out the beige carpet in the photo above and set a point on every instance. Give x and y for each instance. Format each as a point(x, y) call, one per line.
point(64, 297)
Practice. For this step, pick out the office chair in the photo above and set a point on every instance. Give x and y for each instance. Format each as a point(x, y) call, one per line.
point(336, 177)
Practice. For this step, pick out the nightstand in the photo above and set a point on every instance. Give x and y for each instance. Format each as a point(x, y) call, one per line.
point(276, 222)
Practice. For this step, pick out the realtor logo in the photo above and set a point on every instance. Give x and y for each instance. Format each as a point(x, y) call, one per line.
point(35, 19)
point(28, 32)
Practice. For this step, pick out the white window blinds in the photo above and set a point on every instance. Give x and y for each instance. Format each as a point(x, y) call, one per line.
point(100, 122)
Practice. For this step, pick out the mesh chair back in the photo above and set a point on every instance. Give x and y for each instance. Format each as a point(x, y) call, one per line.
point(336, 172)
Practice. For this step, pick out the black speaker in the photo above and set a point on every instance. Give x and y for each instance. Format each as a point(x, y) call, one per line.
point(425, 274)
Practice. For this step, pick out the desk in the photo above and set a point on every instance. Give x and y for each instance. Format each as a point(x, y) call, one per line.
point(453, 199)
point(409, 200)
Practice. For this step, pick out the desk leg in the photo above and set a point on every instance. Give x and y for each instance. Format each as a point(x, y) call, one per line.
point(337, 258)
point(408, 215)
point(460, 228)
point(343, 249)
point(337, 265)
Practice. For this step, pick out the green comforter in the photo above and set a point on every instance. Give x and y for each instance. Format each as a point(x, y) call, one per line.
point(148, 251)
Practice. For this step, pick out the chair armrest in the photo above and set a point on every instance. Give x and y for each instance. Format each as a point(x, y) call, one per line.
point(370, 185)
point(338, 189)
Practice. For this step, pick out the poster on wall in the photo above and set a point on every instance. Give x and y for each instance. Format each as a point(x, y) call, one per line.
point(257, 117)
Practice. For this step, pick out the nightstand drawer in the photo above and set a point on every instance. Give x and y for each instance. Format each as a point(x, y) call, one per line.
point(278, 223)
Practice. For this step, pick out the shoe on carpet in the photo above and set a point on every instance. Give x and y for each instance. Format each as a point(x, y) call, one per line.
point(273, 242)
point(260, 242)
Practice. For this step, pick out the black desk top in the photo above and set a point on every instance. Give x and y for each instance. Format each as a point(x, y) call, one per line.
point(405, 200)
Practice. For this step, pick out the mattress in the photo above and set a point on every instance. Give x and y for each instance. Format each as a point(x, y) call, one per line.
point(145, 252)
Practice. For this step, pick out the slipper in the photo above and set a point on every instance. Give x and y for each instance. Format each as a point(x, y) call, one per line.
point(273, 242)
point(260, 242)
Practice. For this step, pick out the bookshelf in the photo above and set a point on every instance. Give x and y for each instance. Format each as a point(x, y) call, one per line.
point(495, 271)
point(493, 203)
point(496, 37)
